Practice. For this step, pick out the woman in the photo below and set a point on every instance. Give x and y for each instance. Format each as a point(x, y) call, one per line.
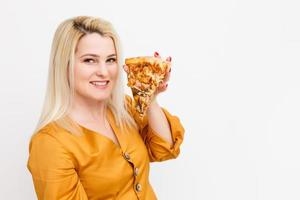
point(89, 142)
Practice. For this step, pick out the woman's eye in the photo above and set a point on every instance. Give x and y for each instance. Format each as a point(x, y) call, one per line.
point(111, 60)
point(89, 60)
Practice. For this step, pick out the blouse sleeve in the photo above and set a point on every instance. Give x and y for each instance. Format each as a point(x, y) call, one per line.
point(53, 171)
point(158, 148)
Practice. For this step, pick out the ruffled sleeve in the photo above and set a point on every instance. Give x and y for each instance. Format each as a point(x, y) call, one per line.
point(53, 172)
point(158, 148)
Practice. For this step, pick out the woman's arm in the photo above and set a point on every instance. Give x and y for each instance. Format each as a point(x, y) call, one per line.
point(158, 122)
point(162, 132)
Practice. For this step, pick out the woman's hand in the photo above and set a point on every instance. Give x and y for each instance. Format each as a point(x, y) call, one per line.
point(163, 86)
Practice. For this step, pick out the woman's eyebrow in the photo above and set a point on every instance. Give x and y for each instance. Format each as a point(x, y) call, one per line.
point(90, 54)
point(112, 55)
point(97, 56)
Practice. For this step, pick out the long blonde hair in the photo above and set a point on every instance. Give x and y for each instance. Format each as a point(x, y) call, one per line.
point(60, 87)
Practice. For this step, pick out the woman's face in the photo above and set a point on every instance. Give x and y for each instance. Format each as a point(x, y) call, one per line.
point(96, 68)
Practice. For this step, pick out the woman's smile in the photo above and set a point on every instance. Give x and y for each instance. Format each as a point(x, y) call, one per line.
point(100, 84)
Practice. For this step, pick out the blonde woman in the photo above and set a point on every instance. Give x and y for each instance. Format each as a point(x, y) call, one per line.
point(89, 142)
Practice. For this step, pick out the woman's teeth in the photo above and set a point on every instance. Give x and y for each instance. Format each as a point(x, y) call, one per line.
point(100, 83)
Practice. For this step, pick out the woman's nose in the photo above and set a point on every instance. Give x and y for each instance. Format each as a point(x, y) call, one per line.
point(102, 69)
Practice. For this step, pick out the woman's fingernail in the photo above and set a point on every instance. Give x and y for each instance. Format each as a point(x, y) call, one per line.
point(170, 58)
point(167, 85)
point(155, 53)
point(170, 69)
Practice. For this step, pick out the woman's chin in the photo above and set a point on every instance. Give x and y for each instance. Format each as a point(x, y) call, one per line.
point(103, 97)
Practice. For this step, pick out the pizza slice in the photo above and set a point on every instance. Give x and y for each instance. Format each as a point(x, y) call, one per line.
point(144, 76)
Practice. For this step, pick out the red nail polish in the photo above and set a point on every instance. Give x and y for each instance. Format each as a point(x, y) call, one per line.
point(167, 85)
point(170, 58)
point(156, 54)
point(170, 70)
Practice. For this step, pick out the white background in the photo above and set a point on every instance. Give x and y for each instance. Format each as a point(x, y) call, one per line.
point(235, 85)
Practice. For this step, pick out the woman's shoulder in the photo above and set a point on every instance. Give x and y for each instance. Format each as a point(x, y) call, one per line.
point(48, 133)
point(46, 149)
point(49, 129)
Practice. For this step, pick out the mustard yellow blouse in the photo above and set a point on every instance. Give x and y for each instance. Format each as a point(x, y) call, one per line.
point(92, 167)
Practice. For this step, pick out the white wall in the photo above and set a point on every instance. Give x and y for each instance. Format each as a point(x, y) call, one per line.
point(235, 85)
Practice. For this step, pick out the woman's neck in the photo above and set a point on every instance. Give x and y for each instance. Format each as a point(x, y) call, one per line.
point(88, 111)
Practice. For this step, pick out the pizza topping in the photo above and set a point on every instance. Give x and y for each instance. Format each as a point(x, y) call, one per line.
point(144, 76)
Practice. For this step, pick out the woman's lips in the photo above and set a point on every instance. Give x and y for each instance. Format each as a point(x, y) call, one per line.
point(100, 84)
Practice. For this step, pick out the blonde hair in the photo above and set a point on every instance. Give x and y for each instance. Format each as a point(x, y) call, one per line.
point(60, 87)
